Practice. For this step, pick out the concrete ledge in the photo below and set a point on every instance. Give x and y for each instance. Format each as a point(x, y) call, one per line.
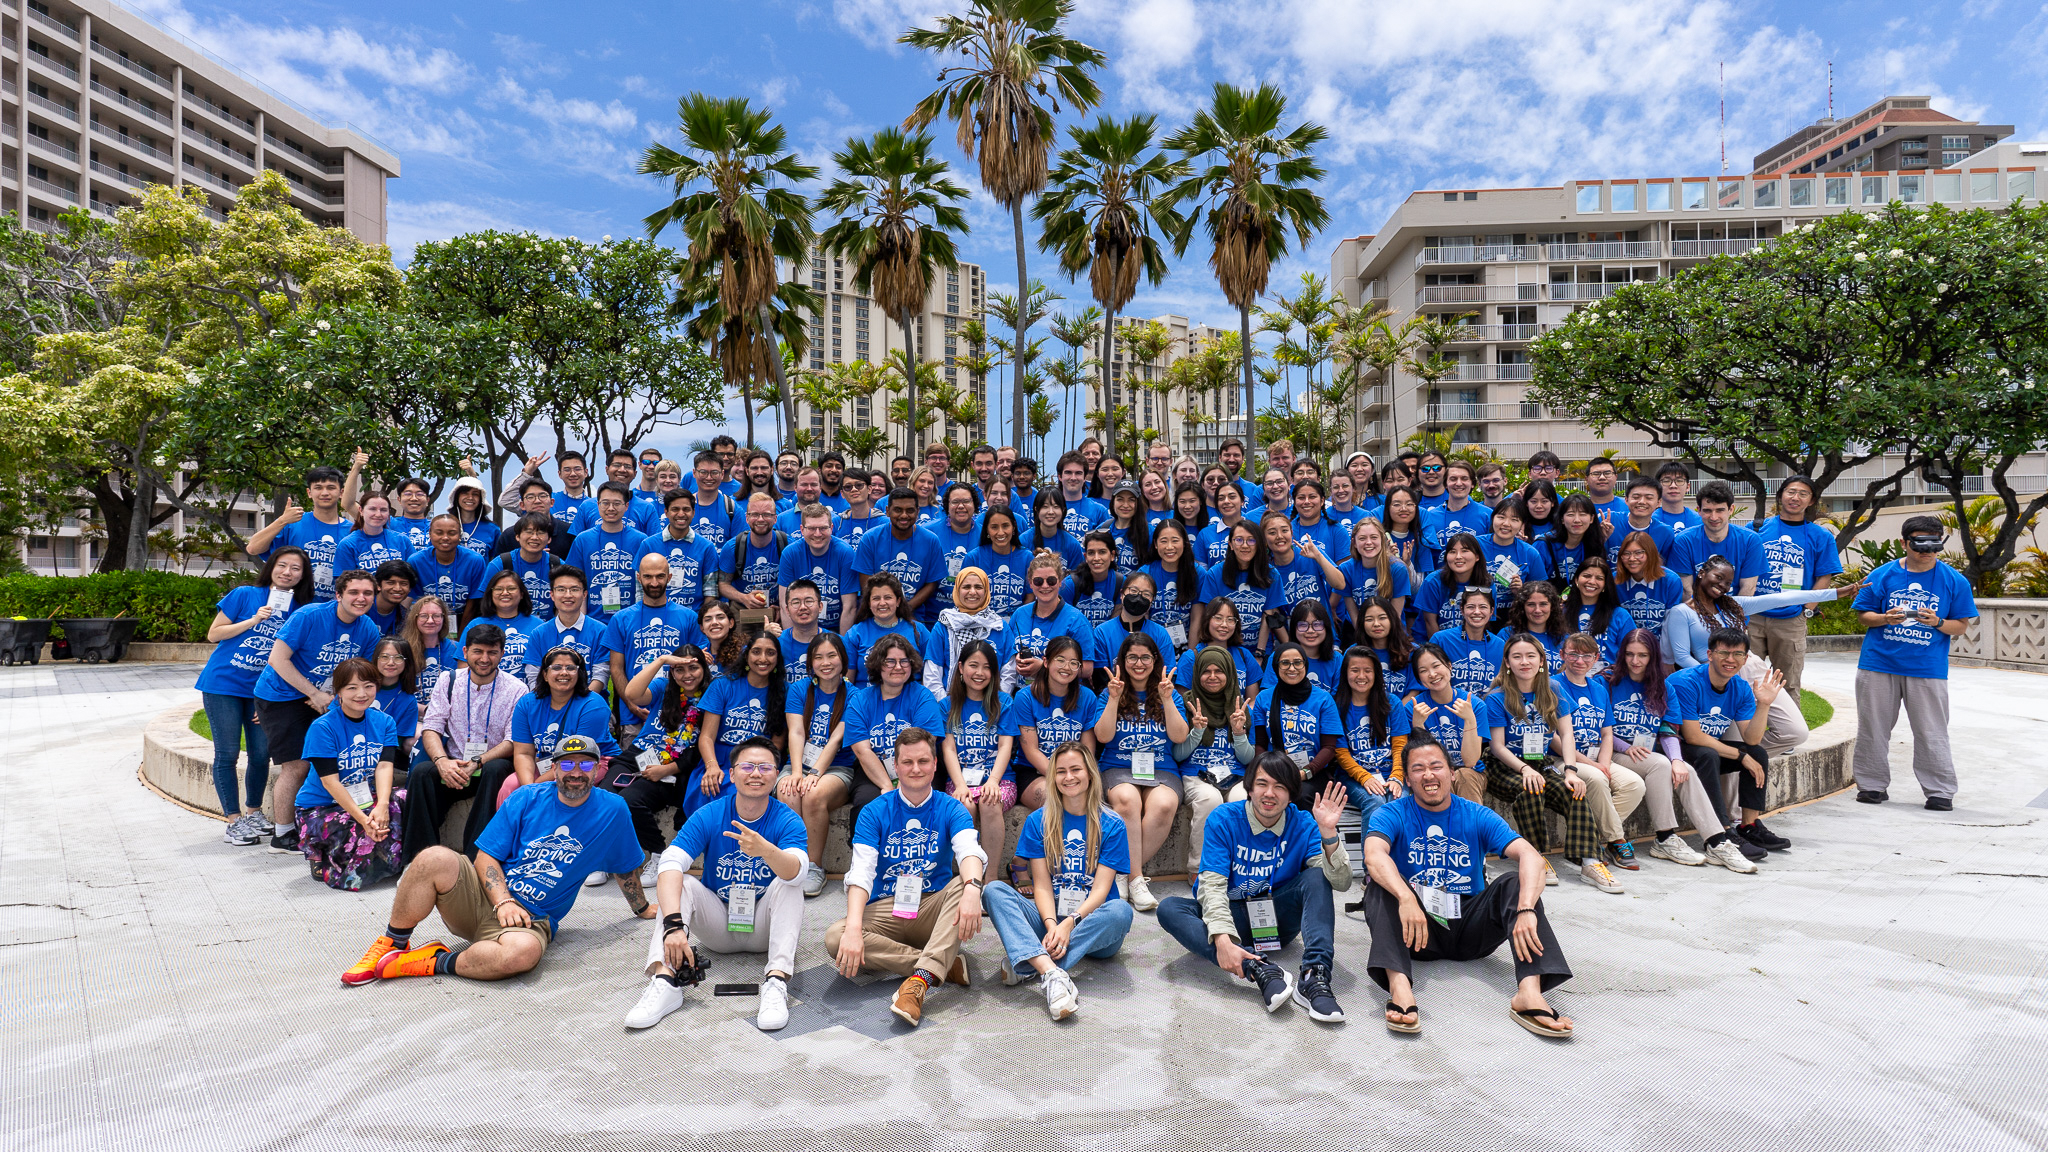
point(1957, 657)
point(153, 652)
point(180, 764)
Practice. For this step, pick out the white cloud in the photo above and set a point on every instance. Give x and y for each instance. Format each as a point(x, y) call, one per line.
point(545, 106)
point(529, 58)
point(877, 23)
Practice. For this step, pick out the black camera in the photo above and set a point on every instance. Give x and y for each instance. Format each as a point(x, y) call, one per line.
point(692, 974)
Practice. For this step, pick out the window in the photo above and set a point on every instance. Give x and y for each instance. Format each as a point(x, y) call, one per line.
point(1955, 142)
point(1622, 198)
point(1946, 187)
point(1764, 195)
point(1589, 197)
point(1838, 191)
point(1695, 195)
point(1873, 190)
point(1911, 189)
point(1471, 195)
point(1660, 197)
point(1983, 185)
point(2019, 185)
point(1801, 194)
point(1951, 159)
point(1450, 195)
point(1730, 195)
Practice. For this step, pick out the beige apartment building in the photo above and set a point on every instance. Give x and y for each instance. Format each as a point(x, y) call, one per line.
point(99, 103)
point(1516, 261)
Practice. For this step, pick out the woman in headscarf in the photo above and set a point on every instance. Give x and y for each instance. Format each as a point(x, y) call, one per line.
point(1218, 745)
point(968, 620)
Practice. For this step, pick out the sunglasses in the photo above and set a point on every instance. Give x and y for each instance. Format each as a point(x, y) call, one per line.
point(1045, 581)
point(1432, 467)
point(579, 767)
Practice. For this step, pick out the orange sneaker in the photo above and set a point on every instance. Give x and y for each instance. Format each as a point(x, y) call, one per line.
point(365, 970)
point(411, 962)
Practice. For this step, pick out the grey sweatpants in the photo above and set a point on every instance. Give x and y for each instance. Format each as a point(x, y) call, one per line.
point(1878, 696)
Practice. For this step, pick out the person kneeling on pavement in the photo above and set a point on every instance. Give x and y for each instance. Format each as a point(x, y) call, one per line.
point(1428, 898)
point(1268, 871)
point(549, 836)
point(913, 894)
point(750, 899)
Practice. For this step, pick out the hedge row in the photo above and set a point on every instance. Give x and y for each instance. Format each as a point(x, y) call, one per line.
point(167, 606)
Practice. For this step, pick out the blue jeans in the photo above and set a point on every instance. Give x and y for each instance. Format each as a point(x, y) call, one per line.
point(1303, 905)
point(1366, 801)
point(1099, 935)
point(233, 721)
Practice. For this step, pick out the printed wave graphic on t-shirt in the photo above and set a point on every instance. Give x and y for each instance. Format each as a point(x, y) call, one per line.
point(907, 572)
point(908, 851)
point(1073, 855)
point(543, 862)
point(1436, 860)
point(1301, 586)
point(1714, 723)
point(1914, 597)
point(746, 719)
point(1472, 670)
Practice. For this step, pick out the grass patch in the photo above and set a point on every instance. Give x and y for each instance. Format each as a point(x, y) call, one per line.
point(199, 726)
point(1816, 710)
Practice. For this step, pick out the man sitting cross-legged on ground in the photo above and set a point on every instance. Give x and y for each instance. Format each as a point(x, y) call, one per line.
point(1429, 900)
point(750, 899)
point(907, 911)
point(1268, 871)
point(549, 835)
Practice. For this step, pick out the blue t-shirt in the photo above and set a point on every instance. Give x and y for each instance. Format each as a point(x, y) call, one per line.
point(438, 658)
point(1504, 562)
point(1646, 603)
point(914, 563)
point(1438, 600)
point(479, 536)
point(1071, 873)
point(911, 840)
point(1321, 673)
point(1109, 639)
point(756, 565)
point(831, 572)
point(1611, 511)
point(1375, 756)
point(1084, 515)
point(234, 665)
point(1362, 583)
point(1063, 544)
point(356, 745)
point(1493, 713)
point(573, 513)
point(714, 521)
point(1168, 609)
point(1254, 861)
point(1796, 556)
point(879, 721)
point(1553, 648)
point(742, 710)
point(1136, 733)
point(320, 540)
point(585, 638)
point(533, 574)
point(1618, 534)
point(953, 550)
point(1474, 663)
point(1330, 538)
point(1445, 726)
point(703, 837)
point(1911, 648)
point(1629, 711)
point(536, 721)
point(1400, 681)
point(1691, 548)
point(1249, 673)
point(1301, 579)
point(548, 847)
point(1212, 544)
point(1619, 624)
point(454, 582)
point(361, 552)
point(976, 736)
point(413, 531)
point(1677, 522)
point(1562, 560)
point(1689, 695)
point(1589, 708)
point(1301, 726)
point(852, 530)
point(817, 726)
point(1006, 587)
point(607, 559)
point(1054, 724)
point(319, 642)
point(1129, 542)
point(640, 633)
point(1246, 597)
point(516, 629)
point(1029, 632)
point(1439, 524)
point(1100, 604)
point(862, 638)
point(691, 563)
point(1444, 849)
point(403, 708)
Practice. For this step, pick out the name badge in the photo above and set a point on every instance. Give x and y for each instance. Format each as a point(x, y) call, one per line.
point(280, 600)
point(1265, 924)
point(1179, 634)
point(909, 894)
point(474, 749)
point(811, 755)
point(648, 758)
point(1069, 901)
point(543, 765)
point(1639, 740)
point(739, 908)
point(1791, 578)
point(975, 777)
point(954, 563)
point(1142, 767)
point(323, 575)
point(889, 765)
point(360, 793)
point(609, 597)
point(1439, 903)
point(1533, 743)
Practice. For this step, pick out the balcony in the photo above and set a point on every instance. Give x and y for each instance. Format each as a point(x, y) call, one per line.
point(112, 173)
point(1497, 333)
point(1480, 254)
point(46, 227)
point(1506, 372)
point(53, 147)
point(52, 106)
point(214, 214)
point(1475, 293)
point(1681, 248)
point(135, 66)
point(195, 172)
point(54, 24)
point(316, 197)
point(248, 126)
point(1455, 413)
point(300, 158)
point(8, 172)
point(52, 64)
point(1378, 396)
point(49, 189)
point(222, 147)
point(1607, 250)
point(130, 141)
point(9, 87)
point(1562, 292)
point(9, 43)
point(105, 93)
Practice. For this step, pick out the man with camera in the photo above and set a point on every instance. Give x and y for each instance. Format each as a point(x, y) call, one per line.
point(750, 899)
point(1913, 607)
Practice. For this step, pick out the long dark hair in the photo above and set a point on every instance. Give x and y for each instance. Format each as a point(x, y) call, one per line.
point(1201, 500)
point(408, 680)
point(675, 705)
point(1189, 573)
point(302, 592)
point(1209, 612)
point(1399, 647)
point(1517, 615)
point(1377, 705)
point(1595, 539)
point(1320, 611)
point(1261, 571)
point(1529, 522)
point(827, 640)
point(1052, 495)
point(481, 607)
point(1481, 578)
point(1003, 510)
point(991, 700)
point(778, 679)
point(1084, 576)
point(1653, 672)
point(1725, 605)
point(1162, 681)
point(1041, 680)
point(732, 649)
point(1603, 607)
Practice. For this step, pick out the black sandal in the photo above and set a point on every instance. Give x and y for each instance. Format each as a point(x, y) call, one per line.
point(1527, 1018)
point(1396, 1026)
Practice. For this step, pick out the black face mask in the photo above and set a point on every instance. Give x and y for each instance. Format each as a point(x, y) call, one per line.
point(1924, 544)
point(1137, 603)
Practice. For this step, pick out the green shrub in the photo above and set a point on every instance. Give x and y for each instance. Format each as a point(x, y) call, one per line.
point(168, 607)
point(1834, 618)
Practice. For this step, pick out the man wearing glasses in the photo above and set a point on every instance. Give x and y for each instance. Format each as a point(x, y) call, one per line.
point(1429, 473)
point(530, 864)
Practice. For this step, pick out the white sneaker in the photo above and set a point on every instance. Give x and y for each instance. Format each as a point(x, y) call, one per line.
point(1595, 873)
point(774, 1011)
point(1728, 856)
point(814, 880)
point(1675, 849)
point(1141, 894)
point(1062, 999)
point(596, 879)
point(1549, 874)
point(650, 868)
point(1011, 976)
point(660, 999)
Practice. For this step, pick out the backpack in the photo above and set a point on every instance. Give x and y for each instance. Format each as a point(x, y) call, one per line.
point(739, 554)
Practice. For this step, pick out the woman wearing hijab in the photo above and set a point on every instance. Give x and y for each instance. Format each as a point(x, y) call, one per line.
point(969, 619)
point(1294, 715)
point(1219, 744)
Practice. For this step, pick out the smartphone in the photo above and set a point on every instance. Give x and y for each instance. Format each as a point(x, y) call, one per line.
point(736, 990)
point(623, 779)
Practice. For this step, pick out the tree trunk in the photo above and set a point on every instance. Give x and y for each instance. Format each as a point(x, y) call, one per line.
point(115, 511)
point(910, 366)
point(1251, 421)
point(1023, 325)
point(747, 405)
point(785, 412)
point(1108, 359)
point(142, 502)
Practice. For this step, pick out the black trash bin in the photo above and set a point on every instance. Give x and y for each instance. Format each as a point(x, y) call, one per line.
point(21, 641)
point(101, 639)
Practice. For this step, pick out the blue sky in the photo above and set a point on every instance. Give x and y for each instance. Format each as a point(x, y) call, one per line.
point(526, 115)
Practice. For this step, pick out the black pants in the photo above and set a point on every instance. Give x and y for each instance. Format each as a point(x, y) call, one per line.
point(1488, 920)
point(1711, 766)
point(647, 800)
point(429, 800)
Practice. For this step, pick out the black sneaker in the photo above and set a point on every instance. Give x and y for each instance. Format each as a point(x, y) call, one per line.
point(1312, 991)
point(1750, 852)
point(1872, 796)
point(1270, 980)
point(1763, 837)
point(285, 841)
point(1940, 804)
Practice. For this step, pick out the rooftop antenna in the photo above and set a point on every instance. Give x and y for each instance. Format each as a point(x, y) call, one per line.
point(1724, 118)
point(1831, 89)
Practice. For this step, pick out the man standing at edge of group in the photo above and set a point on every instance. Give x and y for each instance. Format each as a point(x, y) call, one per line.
point(318, 535)
point(293, 690)
point(1914, 607)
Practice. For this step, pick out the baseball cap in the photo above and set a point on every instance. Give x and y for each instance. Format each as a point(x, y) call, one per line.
point(582, 747)
point(1130, 486)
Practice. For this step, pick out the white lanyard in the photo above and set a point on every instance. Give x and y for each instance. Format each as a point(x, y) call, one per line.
point(470, 736)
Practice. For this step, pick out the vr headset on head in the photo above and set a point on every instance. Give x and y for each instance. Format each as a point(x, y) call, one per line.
point(1924, 542)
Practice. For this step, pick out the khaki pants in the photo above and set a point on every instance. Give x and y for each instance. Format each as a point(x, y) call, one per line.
point(1782, 642)
point(903, 946)
point(1787, 728)
point(1658, 792)
point(1202, 798)
point(1469, 785)
point(1612, 800)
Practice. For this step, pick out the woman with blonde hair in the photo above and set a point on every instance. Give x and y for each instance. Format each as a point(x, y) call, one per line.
point(1076, 909)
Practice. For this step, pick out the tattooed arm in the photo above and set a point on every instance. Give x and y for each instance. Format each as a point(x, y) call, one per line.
point(510, 912)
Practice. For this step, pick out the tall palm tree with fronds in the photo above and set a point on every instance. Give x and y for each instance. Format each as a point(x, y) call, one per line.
point(732, 201)
point(1099, 210)
point(1250, 185)
point(1017, 55)
point(898, 211)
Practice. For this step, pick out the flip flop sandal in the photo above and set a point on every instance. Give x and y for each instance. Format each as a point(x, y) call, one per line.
point(1394, 1026)
point(1020, 878)
point(1527, 1018)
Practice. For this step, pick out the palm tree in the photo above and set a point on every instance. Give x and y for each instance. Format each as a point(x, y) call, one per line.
point(739, 220)
point(1146, 343)
point(1075, 331)
point(1100, 210)
point(1254, 189)
point(1038, 302)
point(898, 213)
point(1017, 54)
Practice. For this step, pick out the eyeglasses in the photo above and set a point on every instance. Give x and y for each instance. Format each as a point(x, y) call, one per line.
point(1309, 626)
point(1581, 657)
point(896, 662)
point(755, 769)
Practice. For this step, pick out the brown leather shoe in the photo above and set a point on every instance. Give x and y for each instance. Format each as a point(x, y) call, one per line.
point(909, 1003)
point(957, 974)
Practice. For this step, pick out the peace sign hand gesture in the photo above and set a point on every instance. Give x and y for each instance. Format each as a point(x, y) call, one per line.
point(751, 842)
point(1197, 718)
point(1240, 720)
point(1114, 691)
